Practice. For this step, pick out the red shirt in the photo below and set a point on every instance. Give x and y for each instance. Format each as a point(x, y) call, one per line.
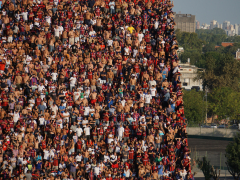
point(69, 14)
point(4, 103)
point(90, 75)
point(119, 65)
point(38, 101)
point(149, 49)
point(131, 154)
point(136, 68)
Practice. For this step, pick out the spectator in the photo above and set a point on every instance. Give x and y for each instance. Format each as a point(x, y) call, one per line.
point(91, 90)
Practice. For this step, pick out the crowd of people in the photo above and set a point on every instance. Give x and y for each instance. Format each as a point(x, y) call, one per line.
point(91, 90)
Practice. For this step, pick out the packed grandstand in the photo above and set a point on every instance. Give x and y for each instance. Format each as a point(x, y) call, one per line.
point(91, 90)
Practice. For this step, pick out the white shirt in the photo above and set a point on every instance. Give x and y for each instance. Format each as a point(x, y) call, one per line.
point(73, 81)
point(106, 158)
point(151, 83)
point(126, 51)
point(96, 171)
point(86, 111)
point(148, 98)
point(41, 121)
point(79, 131)
point(48, 19)
point(56, 32)
point(76, 95)
point(54, 76)
point(78, 158)
point(156, 24)
point(87, 131)
point(66, 114)
point(40, 88)
point(153, 91)
point(140, 37)
point(84, 122)
point(46, 154)
point(60, 29)
point(120, 131)
point(110, 42)
point(25, 16)
point(113, 158)
point(15, 117)
point(123, 102)
point(54, 109)
point(92, 33)
point(93, 21)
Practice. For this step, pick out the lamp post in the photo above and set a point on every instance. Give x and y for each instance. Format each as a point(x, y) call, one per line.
point(206, 104)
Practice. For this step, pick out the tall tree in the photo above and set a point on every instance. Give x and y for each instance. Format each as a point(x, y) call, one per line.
point(233, 157)
point(220, 72)
point(194, 106)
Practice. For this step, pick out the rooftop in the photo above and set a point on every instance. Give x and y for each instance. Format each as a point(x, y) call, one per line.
point(226, 44)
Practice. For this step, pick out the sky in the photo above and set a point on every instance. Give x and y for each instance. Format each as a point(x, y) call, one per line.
point(208, 10)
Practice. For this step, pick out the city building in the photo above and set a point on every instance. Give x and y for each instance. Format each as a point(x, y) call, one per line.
point(197, 25)
point(236, 29)
point(213, 24)
point(205, 26)
point(185, 22)
point(226, 25)
point(230, 29)
point(238, 54)
point(188, 76)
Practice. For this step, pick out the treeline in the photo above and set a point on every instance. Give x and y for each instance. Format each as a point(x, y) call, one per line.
point(221, 75)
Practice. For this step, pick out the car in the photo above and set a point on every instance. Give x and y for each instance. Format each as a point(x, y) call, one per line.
point(222, 126)
point(234, 126)
point(213, 126)
point(205, 126)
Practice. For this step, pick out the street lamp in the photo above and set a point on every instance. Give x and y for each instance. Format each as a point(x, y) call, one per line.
point(205, 96)
point(206, 103)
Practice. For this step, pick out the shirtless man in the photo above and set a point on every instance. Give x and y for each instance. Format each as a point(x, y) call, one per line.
point(93, 97)
point(133, 82)
point(88, 17)
point(93, 84)
point(165, 83)
point(18, 80)
point(145, 76)
point(126, 108)
point(119, 107)
point(110, 76)
point(141, 172)
point(99, 24)
point(64, 36)
point(39, 42)
point(71, 37)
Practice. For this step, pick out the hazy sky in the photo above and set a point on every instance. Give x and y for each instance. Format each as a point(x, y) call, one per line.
point(208, 10)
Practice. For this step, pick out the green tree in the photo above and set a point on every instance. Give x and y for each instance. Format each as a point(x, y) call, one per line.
point(233, 157)
point(194, 106)
point(193, 54)
point(222, 70)
point(208, 170)
point(209, 47)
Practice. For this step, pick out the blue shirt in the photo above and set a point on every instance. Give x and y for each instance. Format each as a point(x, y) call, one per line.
point(110, 102)
point(160, 169)
point(110, 5)
point(166, 96)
